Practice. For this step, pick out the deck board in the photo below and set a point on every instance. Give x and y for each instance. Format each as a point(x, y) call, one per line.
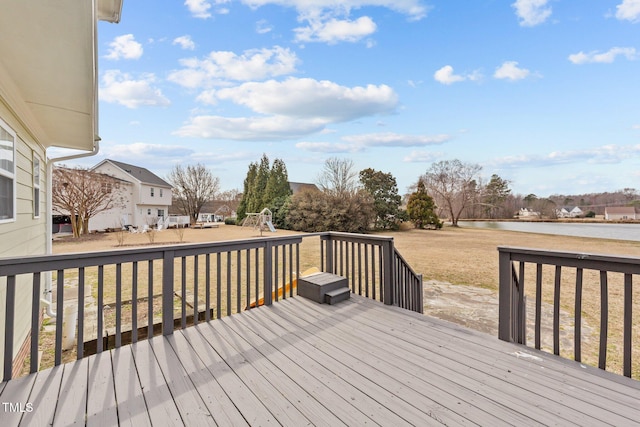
point(450, 364)
point(302, 363)
point(131, 404)
point(160, 404)
point(72, 399)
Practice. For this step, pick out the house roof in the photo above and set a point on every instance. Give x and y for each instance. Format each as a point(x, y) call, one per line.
point(48, 67)
point(297, 187)
point(620, 210)
point(141, 174)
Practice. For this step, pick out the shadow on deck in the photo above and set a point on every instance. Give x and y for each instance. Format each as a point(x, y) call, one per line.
point(301, 363)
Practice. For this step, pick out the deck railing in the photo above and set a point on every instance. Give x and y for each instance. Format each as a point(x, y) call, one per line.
point(573, 276)
point(141, 292)
point(373, 267)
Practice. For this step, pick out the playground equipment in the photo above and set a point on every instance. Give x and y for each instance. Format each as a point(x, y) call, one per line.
point(259, 220)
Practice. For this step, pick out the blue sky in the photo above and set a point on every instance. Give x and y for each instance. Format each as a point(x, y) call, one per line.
point(545, 93)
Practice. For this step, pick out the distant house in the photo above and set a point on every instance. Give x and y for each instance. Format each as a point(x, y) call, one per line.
point(620, 213)
point(528, 213)
point(148, 200)
point(297, 187)
point(568, 212)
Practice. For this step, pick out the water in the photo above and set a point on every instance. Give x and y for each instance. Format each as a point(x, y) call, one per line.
point(596, 230)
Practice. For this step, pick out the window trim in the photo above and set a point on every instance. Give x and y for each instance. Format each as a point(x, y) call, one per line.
point(37, 185)
point(11, 175)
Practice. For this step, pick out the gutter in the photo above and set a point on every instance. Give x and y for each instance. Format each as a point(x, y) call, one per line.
point(47, 294)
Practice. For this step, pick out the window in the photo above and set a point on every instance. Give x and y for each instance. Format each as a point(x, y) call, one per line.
point(161, 192)
point(148, 211)
point(7, 173)
point(152, 191)
point(36, 186)
point(160, 212)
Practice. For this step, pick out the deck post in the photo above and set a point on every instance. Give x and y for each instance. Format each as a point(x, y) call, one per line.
point(268, 273)
point(505, 331)
point(167, 292)
point(388, 296)
point(329, 254)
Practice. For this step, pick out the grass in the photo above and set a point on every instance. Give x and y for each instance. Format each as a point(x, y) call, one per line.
point(461, 256)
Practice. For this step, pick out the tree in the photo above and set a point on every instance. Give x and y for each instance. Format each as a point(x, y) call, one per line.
point(265, 186)
point(83, 194)
point(247, 194)
point(452, 183)
point(193, 186)
point(386, 200)
point(314, 211)
point(495, 194)
point(338, 177)
point(421, 209)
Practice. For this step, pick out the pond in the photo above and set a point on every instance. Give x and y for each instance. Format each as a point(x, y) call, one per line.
point(596, 230)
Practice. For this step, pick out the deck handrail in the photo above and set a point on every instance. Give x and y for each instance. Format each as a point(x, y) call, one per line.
point(258, 271)
point(262, 278)
point(512, 306)
point(363, 259)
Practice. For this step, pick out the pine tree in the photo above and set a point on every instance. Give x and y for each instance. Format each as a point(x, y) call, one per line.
point(421, 208)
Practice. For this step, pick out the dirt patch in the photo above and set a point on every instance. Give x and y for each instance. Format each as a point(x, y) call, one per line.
point(477, 308)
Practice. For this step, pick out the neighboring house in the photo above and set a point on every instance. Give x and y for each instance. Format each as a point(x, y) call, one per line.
point(297, 187)
point(528, 213)
point(620, 213)
point(148, 200)
point(568, 212)
point(48, 98)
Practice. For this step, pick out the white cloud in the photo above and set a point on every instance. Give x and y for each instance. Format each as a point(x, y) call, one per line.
point(629, 10)
point(270, 128)
point(356, 143)
point(336, 30)
point(141, 149)
point(509, 70)
point(124, 47)
point(185, 42)
point(422, 156)
point(413, 8)
point(606, 154)
point(289, 109)
point(263, 27)
point(446, 76)
point(329, 21)
point(120, 88)
point(606, 57)
point(198, 8)
point(326, 147)
point(532, 12)
point(201, 8)
point(309, 98)
point(391, 139)
point(221, 66)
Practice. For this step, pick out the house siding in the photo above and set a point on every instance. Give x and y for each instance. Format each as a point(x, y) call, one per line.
point(140, 199)
point(27, 234)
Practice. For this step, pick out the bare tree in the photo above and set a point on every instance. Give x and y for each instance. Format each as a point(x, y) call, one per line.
point(338, 177)
point(452, 183)
point(193, 186)
point(83, 194)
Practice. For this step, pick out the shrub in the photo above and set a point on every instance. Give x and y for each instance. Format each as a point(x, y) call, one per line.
point(314, 211)
point(230, 221)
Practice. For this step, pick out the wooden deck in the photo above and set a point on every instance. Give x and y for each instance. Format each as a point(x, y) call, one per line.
point(299, 363)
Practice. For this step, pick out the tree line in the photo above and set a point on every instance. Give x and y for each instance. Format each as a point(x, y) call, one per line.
point(344, 199)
